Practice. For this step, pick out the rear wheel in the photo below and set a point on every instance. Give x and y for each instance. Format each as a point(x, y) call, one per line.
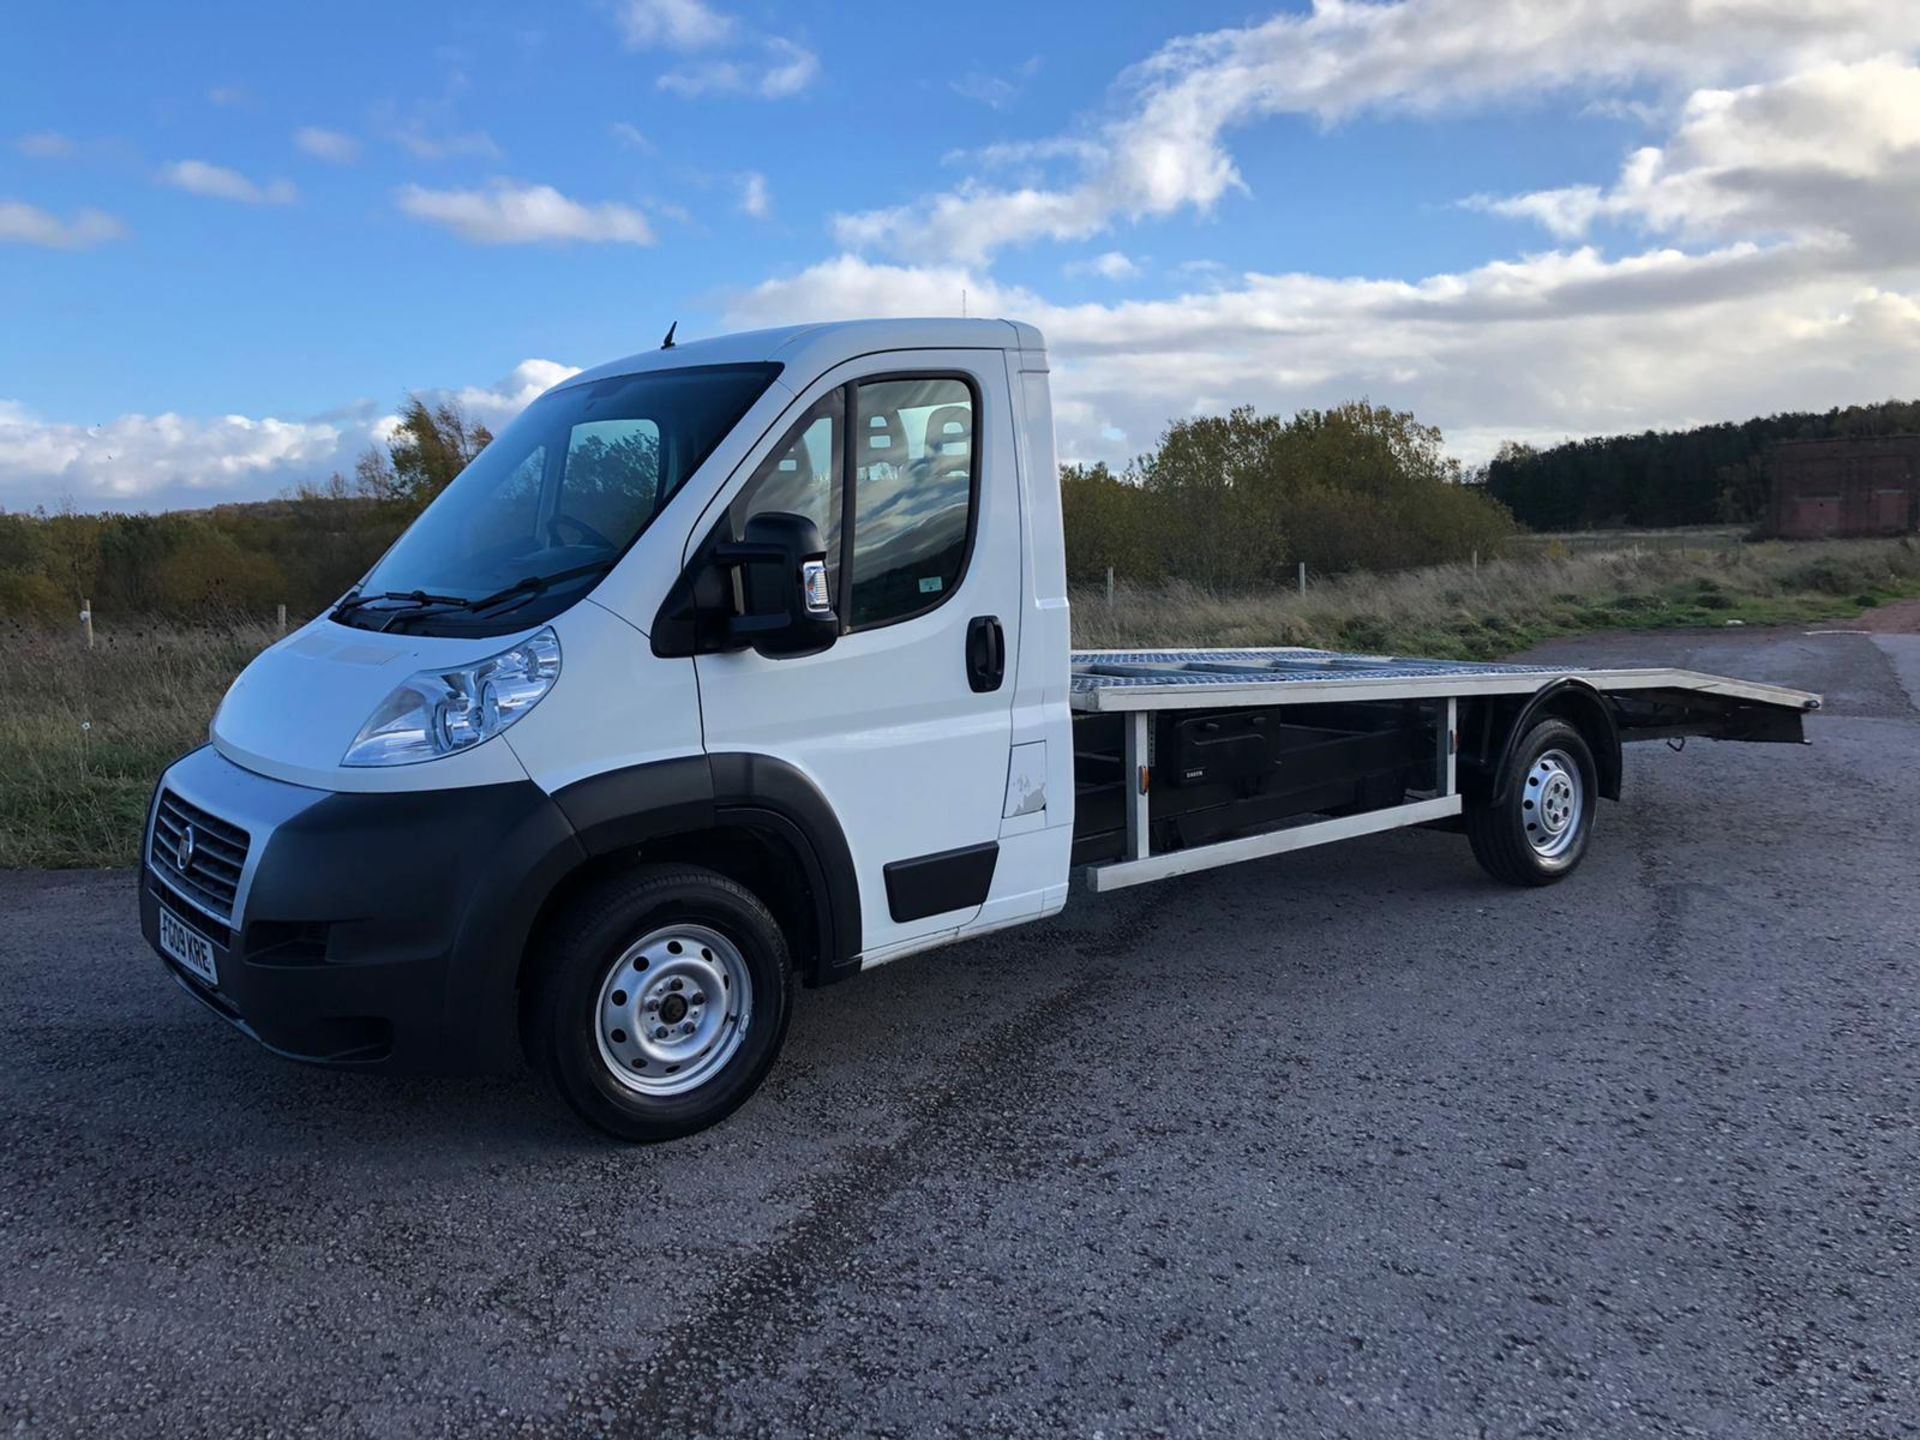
point(1537, 832)
point(661, 1000)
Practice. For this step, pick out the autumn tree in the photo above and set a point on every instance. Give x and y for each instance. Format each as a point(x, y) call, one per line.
point(426, 448)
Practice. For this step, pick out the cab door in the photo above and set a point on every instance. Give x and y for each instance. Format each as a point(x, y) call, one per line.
point(906, 463)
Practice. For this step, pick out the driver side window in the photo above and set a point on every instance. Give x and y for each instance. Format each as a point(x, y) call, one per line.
point(801, 475)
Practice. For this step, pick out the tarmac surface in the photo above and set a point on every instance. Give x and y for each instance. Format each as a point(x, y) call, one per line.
point(1348, 1142)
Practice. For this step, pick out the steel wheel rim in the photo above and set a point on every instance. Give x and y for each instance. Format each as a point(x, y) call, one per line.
point(1553, 802)
point(673, 1010)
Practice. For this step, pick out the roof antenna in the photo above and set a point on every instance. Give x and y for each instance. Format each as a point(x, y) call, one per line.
point(667, 344)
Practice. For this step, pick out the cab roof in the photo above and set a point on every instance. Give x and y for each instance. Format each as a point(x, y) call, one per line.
point(814, 349)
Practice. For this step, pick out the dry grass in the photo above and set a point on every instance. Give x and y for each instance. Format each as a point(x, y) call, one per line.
point(1533, 544)
point(1454, 611)
point(84, 734)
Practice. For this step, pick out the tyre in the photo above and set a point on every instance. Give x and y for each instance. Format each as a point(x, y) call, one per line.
point(660, 1001)
point(1538, 832)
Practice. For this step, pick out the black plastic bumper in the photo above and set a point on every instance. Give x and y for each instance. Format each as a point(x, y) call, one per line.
point(375, 930)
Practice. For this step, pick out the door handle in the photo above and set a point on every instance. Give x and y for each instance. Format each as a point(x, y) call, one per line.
point(986, 653)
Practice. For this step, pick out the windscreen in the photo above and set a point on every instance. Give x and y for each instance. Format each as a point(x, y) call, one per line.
point(554, 501)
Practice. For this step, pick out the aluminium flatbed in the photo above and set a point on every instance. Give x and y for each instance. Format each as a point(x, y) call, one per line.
point(1271, 750)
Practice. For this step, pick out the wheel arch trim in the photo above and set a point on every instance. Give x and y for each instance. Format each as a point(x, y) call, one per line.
point(625, 809)
point(1584, 708)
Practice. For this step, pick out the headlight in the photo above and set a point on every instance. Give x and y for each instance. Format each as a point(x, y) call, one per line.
point(438, 712)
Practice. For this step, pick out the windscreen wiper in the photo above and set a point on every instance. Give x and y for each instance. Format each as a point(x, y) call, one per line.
point(532, 585)
point(418, 598)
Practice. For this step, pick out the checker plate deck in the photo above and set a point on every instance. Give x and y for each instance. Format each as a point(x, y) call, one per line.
point(1187, 679)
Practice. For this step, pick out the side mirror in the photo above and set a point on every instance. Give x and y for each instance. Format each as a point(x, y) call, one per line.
point(782, 565)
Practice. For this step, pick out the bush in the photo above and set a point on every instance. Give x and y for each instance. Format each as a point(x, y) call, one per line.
point(1241, 500)
point(1830, 575)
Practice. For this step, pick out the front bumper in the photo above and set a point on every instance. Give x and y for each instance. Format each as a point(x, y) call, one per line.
point(378, 931)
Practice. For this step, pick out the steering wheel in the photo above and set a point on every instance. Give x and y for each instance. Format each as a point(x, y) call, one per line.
point(558, 519)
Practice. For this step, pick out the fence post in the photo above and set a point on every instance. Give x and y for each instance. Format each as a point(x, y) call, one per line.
point(1303, 579)
point(283, 619)
point(1109, 587)
point(1476, 561)
point(86, 620)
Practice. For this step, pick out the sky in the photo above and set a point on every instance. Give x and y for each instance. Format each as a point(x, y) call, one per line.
point(233, 236)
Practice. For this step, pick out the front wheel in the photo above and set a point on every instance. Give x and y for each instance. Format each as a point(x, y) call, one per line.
point(1538, 831)
point(661, 1000)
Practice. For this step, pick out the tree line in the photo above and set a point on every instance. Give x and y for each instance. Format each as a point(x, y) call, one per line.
point(1712, 474)
point(303, 550)
point(1230, 501)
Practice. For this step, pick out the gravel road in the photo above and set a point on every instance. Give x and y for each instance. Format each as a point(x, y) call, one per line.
point(1352, 1142)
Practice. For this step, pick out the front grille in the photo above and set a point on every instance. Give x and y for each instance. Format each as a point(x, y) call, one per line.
point(219, 854)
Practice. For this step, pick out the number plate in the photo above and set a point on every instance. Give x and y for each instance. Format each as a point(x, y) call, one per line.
point(188, 946)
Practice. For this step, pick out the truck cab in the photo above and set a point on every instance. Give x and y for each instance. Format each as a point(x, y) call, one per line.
point(775, 624)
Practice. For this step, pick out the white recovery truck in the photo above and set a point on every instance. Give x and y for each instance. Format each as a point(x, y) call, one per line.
point(747, 660)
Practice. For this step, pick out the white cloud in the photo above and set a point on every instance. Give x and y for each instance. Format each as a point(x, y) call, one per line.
point(996, 92)
point(499, 402)
point(1783, 270)
point(779, 71)
point(1568, 212)
point(333, 146)
point(769, 66)
point(160, 461)
point(848, 287)
point(45, 145)
point(790, 69)
point(217, 182)
point(509, 213)
point(1114, 265)
point(231, 97)
point(24, 224)
point(675, 25)
point(426, 144)
point(1791, 177)
point(756, 199)
point(127, 460)
point(631, 137)
point(427, 129)
point(1834, 151)
point(1165, 151)
point(1567, 341)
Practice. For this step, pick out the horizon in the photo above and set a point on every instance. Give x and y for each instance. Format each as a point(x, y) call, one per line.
point(314, 488)
point(229, 249)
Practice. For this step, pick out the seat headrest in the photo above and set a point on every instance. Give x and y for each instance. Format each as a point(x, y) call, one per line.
point(949, 439)
point(950, 429)
point(797, 463)
point(882, 439)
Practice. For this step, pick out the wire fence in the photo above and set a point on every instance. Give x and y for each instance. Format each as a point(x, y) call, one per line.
point(1610, 542)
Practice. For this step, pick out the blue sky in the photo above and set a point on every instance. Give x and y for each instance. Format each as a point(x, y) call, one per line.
point(232, 236)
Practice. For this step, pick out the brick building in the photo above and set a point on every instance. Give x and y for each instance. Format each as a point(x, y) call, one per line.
point(1868, 486)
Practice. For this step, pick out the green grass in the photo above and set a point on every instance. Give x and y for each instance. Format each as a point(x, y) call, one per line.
point(83, 734)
